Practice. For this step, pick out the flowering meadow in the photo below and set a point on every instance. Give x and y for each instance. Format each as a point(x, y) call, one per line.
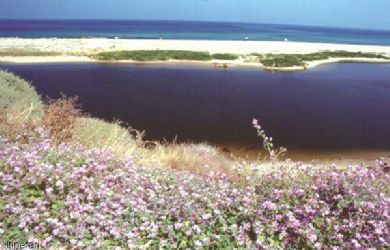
point(71, 197)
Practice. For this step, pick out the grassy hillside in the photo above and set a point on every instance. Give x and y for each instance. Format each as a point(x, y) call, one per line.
point(19, 101)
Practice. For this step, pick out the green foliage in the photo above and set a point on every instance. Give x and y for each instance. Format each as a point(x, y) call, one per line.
point(224, 56)
point(18, 99)
point(348, 54)
point(163, 55)
point(154, 55)
point(290, 60)
point(29, 195)
point(14, 235)
point(282, 60)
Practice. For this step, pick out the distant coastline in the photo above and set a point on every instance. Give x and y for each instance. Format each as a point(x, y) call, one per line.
point(245, 53)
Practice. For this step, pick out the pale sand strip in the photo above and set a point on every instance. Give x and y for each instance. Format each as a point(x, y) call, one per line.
point(45, 59)
point(93, 45)
point(74, 49)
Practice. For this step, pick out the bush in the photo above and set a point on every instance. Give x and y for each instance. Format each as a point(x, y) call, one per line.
point(290, 60)
point(60, 118)
point(154, 55)
point(224, 56)
point(282, 60)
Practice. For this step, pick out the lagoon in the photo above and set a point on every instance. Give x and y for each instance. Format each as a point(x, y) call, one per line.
point(343, 106)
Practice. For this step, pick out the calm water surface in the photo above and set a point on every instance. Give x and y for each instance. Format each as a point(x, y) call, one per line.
point(338, 106)
point(189, 30)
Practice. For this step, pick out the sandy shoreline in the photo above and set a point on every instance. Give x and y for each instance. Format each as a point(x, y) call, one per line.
point(320, 157)
point(77, 50)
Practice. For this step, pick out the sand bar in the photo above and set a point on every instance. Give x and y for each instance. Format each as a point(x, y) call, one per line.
point(75, 50)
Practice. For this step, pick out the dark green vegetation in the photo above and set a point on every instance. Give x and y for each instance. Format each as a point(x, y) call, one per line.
point(289, 60)
point(268, 60)
point(281, 60)
point(224, 56)
point(162, 55)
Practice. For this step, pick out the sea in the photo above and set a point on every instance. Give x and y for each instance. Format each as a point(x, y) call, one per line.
point(189, 30)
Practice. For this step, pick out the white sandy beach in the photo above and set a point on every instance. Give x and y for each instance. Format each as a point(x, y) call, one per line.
point(75, 50)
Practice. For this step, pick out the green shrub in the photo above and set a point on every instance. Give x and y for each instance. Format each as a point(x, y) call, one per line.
point(224, 56)
point(282, 60)
point(154, 55)
point(290, 60)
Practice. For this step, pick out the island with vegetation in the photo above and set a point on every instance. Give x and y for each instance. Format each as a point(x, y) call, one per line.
point(73, 181)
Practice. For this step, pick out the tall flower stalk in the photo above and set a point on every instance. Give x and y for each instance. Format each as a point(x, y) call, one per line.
point(274, 153)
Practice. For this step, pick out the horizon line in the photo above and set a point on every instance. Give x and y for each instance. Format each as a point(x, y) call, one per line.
point(195, 21)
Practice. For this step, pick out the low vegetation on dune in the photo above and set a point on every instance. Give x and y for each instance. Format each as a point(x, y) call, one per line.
point(267, 60)
point(281, 60)
point(79, 182)
point(154, 55)
point(225, 56)
point(162, 55)
point(290, 60)
point(27, 52)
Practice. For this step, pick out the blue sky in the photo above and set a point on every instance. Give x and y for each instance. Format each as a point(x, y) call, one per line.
point(371, 14)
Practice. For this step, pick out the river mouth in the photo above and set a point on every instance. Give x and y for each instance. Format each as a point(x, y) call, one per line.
point(332, 108)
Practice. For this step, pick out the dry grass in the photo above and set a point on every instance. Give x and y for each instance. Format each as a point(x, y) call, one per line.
point(18, 99)
point(198, 158)
point(9, 129)
point(93, 132)
point(27, 52)
point(20, 106)
point(195, 158)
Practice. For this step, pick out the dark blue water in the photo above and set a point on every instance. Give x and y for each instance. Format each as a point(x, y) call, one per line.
point(190, 30)
point(339, 106)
